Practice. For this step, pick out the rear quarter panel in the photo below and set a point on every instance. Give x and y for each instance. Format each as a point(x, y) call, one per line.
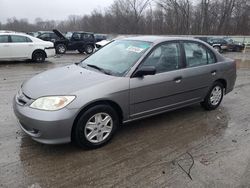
point(227, 70)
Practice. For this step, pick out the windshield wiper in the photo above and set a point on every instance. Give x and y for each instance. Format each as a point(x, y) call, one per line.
point(99, 68)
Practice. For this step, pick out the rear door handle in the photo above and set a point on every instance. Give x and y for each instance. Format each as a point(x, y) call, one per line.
point(6, 45)
point(213, 72)
point(178, 80)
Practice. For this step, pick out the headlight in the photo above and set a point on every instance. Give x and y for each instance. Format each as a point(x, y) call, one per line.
point(52, 103)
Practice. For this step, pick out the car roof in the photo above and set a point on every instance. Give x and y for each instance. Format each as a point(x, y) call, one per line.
point(13, 33)
point(158, 39)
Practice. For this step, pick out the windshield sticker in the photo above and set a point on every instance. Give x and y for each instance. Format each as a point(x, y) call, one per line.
point(135, 49)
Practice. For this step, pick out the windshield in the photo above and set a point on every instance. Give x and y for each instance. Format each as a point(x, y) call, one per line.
point(118, 56)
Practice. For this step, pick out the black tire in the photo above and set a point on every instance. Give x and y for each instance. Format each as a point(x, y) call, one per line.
point(61, 49)
point(208, 104)
point(79, 132)
point(89, 49)
point(39, 56)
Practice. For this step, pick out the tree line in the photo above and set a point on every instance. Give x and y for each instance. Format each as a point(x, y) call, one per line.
point(159, 17)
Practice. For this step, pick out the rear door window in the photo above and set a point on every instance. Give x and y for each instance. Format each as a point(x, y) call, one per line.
point(4, 38)
point(197, 55)
point(19, 39)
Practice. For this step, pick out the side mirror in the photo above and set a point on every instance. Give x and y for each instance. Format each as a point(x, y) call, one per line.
point(143, 71)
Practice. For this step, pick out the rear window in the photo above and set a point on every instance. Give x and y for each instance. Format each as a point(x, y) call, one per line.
point(4, 39)
point(19, 39)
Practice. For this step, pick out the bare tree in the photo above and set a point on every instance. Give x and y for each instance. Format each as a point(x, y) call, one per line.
point(178, 14)
point(152, 17)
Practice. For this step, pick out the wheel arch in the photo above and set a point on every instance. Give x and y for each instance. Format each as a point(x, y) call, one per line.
point(111, 103)
point(38, 50)
point(223, 81)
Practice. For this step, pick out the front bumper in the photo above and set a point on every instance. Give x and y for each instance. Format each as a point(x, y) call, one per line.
point(48, 127)
point(50, 52)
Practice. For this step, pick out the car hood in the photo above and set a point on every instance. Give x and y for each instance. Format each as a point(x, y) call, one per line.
point(63, 81)
point(59, 34)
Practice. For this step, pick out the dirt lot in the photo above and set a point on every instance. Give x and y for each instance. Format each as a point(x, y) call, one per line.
point(153, 152)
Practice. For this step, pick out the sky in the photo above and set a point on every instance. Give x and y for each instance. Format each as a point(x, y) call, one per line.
point(48, 9)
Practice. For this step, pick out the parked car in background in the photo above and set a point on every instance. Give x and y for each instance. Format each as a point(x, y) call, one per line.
point(219, 44)
point(102, 43)
point(234, 45)
point(49, 36)
point(79, 40)
point(19, 46)
point(223, 44)
point(126, 80)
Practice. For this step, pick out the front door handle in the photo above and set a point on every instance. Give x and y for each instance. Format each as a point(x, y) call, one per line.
point(214, 72)
point(178, 80)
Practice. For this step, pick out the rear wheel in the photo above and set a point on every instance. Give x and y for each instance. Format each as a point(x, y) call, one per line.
point(61, 49)
point(89, 49)
point(95, 127)
point(39, 56)
point(214, 96)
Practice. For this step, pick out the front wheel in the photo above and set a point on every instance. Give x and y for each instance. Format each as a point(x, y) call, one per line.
point(214, 96)
point(95, 127)
point(39, 57)
point(61, 49)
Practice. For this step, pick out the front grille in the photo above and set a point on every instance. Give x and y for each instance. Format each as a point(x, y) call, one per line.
point(22, 99)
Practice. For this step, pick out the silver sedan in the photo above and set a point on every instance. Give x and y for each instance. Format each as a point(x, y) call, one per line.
point(128, 79)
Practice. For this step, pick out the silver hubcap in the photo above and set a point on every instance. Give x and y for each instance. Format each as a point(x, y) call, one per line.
point(89, 49)
point(98, 127)
point(216, 95)
point(61, 49)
